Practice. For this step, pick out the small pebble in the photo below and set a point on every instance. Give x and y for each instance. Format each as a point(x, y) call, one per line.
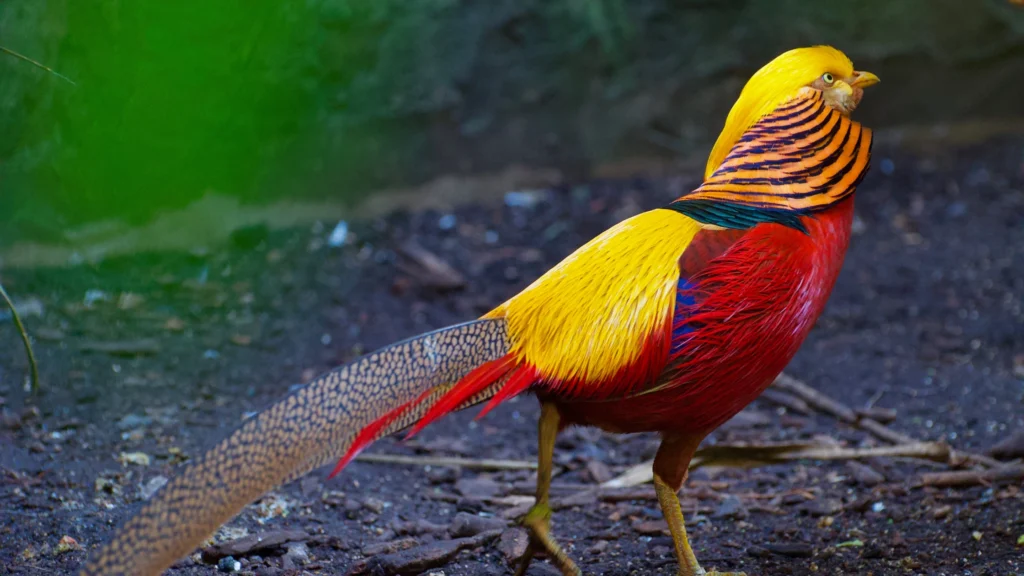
point(465, 524)
point(338, 235)
point(479, 487)
point(731, 508)
point(822, 507)
point(598, 471)
point(374, 505)
point(512, 544)
point(651, 527)
point(873, 551)
point(660, 551)
point(297, 555)
point(758, 552)
point(791, 549)
point(864, 474)
point(229, 564)
point(447, 222)
point(599, 547)
point(442, 475)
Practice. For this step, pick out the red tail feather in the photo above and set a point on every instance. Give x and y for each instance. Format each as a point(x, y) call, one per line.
point(523, 378)
point(472, 384)
point(372, 431)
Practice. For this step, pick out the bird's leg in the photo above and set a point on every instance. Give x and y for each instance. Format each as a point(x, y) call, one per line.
point(670, 467)
point(538, 519)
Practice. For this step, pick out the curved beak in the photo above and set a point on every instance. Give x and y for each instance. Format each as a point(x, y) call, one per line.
point(863, 80)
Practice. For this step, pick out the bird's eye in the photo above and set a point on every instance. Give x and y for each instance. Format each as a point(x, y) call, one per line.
point(828, 78)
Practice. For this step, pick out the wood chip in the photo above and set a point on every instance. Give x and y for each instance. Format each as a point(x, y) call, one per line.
point(429, 268)
point(252, 544)
point(422, 558)
point(389, 547)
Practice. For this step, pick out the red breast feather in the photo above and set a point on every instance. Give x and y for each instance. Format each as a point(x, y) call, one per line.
point(753, 307)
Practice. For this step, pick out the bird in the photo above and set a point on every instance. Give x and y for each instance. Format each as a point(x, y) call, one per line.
point(669, 322)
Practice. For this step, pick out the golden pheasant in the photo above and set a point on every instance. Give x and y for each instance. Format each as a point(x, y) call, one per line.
point(671, 322)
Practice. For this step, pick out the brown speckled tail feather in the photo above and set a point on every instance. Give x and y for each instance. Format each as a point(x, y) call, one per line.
point(309, 429)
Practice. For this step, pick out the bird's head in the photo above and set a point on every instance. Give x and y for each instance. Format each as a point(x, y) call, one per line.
point(819, 67)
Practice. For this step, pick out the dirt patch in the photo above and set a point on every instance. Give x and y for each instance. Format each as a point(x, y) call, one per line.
point(926, 320)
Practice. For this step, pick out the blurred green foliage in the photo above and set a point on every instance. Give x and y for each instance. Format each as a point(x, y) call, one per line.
point(171, 98)
point(177, 98)
point(265, 98)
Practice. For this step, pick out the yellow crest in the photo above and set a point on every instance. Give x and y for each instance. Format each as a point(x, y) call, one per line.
point(776, 82)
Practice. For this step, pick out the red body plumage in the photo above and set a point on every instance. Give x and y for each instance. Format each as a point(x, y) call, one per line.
point(756, 301)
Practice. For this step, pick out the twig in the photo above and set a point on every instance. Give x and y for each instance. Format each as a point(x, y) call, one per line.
point(33, 367)
point(786, 400)
point(961, 478)
point(822, 402)
point(882, 432)
point(40, 65)
point(430, 268)
point(470, 463)
point(814, 398)
point(747, 456)
point(740, 455)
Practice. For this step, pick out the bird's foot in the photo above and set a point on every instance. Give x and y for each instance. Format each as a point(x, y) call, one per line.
point(717, 573)
point(538, 522)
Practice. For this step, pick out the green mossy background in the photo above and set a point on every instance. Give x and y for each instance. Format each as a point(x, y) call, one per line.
point(315, 99)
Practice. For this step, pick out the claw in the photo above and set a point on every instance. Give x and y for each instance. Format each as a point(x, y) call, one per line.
point(538, 521)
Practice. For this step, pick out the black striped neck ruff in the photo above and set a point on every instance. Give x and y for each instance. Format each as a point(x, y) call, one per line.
point(800, 159)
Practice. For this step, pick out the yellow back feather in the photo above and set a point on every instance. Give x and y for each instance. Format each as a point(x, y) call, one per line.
point(591, 315)
point(776, 82)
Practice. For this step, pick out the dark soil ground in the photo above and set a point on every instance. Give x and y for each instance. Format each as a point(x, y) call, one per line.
point(927, 320)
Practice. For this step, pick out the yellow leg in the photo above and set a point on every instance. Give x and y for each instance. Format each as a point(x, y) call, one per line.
point(538, 519)
point(670, 467)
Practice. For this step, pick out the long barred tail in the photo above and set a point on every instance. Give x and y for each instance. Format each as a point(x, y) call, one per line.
point(381, 392)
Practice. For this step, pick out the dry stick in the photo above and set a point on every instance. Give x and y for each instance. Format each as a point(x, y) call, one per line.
point(732, 455)
point(471, 463)
point(1005, 473)
point(842, 412)
point(33, 368)
point(40, 65)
